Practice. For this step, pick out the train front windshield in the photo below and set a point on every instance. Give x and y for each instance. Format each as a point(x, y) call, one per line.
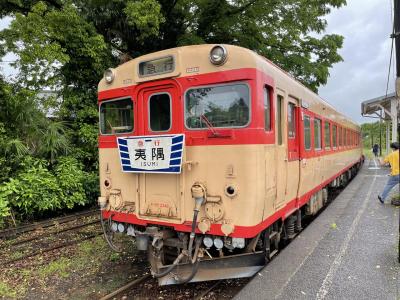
point(116, 116)
point(221, 106)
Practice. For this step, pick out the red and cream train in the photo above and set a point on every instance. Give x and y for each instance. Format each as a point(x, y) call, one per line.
point(211, 155)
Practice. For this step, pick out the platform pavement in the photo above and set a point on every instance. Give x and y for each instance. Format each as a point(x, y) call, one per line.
point(348, 252)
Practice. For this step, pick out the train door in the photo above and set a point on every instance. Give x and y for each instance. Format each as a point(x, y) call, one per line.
point(293, 149)
point(160, 195)
point(281, 151)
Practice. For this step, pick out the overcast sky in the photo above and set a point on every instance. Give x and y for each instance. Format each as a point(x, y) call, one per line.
point(366, 26)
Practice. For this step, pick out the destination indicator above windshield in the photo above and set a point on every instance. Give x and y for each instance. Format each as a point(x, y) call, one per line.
point(156, 66)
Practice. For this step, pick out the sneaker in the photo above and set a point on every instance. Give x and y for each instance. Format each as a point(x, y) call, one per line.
point(380, 199)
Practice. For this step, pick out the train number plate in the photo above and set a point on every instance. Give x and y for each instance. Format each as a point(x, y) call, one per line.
point(151, 154)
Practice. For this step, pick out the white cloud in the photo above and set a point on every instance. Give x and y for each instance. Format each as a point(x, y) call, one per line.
point(366, 26)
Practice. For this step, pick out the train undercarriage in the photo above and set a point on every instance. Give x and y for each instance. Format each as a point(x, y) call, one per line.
point(180, 257)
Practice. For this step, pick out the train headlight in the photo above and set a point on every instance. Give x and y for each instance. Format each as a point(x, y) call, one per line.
point(109, 75)
point(121, 227)
point(218, 55)
point(114, 226)
point(207, 241)
point(218, 243)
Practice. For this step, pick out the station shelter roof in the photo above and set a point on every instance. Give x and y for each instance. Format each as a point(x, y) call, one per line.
point(374, 106)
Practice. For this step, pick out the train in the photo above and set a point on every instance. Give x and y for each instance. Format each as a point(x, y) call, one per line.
point(211, 157)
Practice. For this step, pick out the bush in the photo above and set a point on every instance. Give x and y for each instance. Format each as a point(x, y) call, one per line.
point(37, 188)
point(4, 210)
point(71, 178)
point(34, 189)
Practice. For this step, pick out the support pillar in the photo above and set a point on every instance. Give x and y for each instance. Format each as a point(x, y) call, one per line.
point(387, 137)
point(393, 111)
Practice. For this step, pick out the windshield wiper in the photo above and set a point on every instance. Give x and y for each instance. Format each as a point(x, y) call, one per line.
point(209, 125)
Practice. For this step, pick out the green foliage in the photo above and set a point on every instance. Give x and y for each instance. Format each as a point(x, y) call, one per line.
point(72, 42)
point(71, 179)
point(4, 209)
point(54, 141)
point(15, 147)
point(37, 188)
point(66, 46)
point(373, 135)
point(115, 256)
point(46, 39)
point(33, 190)
point(6, 291)
point(58, 267)
point(145, 16)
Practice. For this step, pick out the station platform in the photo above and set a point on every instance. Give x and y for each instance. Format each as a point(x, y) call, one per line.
point(350, 251)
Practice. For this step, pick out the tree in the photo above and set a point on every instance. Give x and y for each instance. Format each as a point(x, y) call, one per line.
point(66, 45)
point(372, 135)
point(72, 42)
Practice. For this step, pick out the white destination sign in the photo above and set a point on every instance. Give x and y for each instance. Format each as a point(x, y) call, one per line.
point(157, 154)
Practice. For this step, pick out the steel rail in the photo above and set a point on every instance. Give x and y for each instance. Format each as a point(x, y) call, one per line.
point(11, 232)
point(41, 251)
point(125, 287)
point(16, 243)
point(206, 292)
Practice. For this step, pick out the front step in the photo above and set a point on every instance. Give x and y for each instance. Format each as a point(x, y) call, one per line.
point(234, 266)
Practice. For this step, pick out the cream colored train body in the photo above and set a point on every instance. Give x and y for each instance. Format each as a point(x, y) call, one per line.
point(259, 152)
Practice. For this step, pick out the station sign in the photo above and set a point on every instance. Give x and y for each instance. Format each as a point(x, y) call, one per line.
point(151, 154)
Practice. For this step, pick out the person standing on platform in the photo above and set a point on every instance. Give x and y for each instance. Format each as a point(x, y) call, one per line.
point(375, 150)
point(394, 179)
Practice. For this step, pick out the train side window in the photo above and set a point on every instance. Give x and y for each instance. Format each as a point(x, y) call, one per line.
point(334, 136)
point(279, 119)
point(291, 121)
point(160, 112)
point(348, 137)
point(116, 116)
point(267, 108)
point(351, 138)
point(307, 133)
point(317, 134)
point(340, 137)
point(327, 135)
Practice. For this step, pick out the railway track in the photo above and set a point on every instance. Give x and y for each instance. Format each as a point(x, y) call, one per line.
point(52, 248)
point(208, 291)
point(42, 236)
point(126, 287)
point(63, 236)
point(15, 231)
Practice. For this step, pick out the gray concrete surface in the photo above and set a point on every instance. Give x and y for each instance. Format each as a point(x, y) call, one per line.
point(348, 252)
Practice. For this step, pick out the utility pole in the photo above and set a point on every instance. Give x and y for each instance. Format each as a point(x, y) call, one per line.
point(396, 36)
point(380, 134)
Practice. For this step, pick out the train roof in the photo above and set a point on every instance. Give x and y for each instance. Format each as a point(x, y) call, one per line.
point(127, 74)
